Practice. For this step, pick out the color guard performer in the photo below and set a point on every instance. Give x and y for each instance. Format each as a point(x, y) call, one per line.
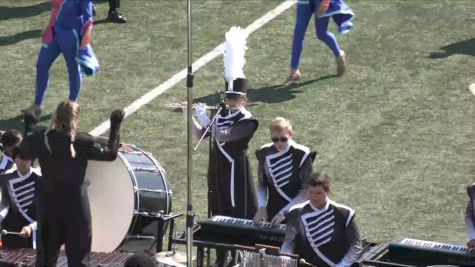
point(69, 31)
point(283, 173)
point(321, 231)
point(341, 14)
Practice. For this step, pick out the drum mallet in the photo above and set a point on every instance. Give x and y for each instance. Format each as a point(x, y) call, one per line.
point(5, 232)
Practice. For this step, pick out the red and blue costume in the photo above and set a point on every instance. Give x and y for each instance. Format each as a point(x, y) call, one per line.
point(68, 32)
point(338, 10)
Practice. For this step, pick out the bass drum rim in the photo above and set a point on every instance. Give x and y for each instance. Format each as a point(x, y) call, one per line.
point(125, 191)
point(167, 190)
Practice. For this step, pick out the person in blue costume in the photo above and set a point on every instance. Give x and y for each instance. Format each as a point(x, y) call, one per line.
point(69, 32)
point(341, 14)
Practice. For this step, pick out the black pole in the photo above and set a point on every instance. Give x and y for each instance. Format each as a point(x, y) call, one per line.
point(189, 83)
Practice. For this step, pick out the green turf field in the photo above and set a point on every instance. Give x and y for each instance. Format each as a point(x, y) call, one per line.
point(397, 133)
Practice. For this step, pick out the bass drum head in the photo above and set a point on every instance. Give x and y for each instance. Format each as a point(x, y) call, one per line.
point(111, 198)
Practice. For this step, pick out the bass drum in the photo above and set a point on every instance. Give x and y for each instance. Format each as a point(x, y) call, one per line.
point(126, 197)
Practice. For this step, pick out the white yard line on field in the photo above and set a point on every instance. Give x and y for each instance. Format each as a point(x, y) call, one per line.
point(202, 61)
point(472, 88)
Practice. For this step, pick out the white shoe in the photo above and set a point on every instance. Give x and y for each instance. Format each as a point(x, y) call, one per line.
point(341, 64)
point(293, 77)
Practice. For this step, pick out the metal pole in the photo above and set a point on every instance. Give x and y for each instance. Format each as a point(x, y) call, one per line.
point(189, 83)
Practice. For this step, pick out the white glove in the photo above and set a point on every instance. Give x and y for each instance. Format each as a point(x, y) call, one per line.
point(261, 215)
point(278, 218)
point(201, 112)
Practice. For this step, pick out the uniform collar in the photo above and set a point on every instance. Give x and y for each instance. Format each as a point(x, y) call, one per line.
point(322, 209)
point(26, 175)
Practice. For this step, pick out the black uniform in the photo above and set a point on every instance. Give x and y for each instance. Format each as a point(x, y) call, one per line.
point(470, 212)
point(10, 138)
point(229, 168)
point(64, 215)
point(283, 176)
point(18, 207)
point(113, 5)
point(326, 237)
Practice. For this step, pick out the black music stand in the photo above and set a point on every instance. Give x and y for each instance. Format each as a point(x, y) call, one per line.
point(162, 220)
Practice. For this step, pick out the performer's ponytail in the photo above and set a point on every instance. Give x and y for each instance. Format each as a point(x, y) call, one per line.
point(65, 120)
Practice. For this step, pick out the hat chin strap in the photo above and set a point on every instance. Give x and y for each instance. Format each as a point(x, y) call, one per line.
point(234, 109)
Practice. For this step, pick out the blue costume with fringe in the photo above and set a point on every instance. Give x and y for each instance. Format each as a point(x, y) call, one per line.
point(338, 10)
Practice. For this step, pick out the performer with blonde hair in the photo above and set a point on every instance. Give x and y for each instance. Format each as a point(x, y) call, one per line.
point(283, 173)
point(64, 216)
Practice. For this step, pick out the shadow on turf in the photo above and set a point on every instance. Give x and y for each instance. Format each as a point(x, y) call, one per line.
point(13, 39)
point(7, 13)
point(17, 122)
point(100, 21)
point(280, 93)
point(268, 94)
point(466, 47)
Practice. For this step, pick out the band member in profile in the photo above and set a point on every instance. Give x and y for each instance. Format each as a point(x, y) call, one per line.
point(321, 231)
point(283, 173)
point(64, 216)
point(229, 171)
point(18, 202)
point(9, 141)
point(229, 167)
point(470, 218)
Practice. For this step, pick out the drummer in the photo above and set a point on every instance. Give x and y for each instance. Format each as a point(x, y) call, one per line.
point(63, 214)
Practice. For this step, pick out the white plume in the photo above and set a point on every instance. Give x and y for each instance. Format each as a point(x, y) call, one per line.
point(234, 52)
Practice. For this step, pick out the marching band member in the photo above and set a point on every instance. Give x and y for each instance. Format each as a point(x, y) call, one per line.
point(229, 171)
point(283, 173)
point(339, 11)
point(321, 231)
point(69, 31)
point(232, 186)
point(470, 218)
point(18, 203)
point(229, 168)
point(9, 141)
point(64, 216)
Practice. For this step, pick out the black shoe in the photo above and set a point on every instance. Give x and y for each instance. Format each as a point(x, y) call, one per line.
point(116, 17)
point(33, 110)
